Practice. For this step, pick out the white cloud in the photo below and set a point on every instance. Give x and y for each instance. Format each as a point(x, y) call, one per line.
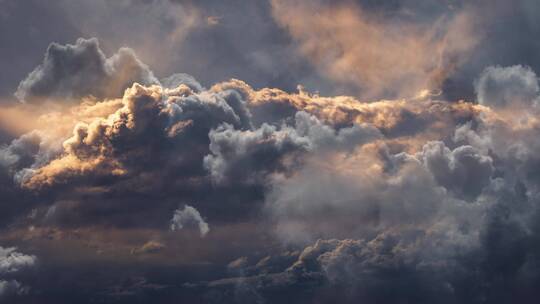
point(189, 217)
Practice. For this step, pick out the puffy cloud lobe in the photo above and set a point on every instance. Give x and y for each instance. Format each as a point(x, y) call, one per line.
point(505, 87)
point(324, 137)
point(12, 262)
point(91, 148)
point(111, 146)
point(189, 217)
point(248, 156)
point(19, 153)
point(73, 71)
point(463, 170)
point(252, 155)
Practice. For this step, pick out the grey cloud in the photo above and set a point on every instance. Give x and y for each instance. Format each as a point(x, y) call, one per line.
point(19, 153)
point(81, 69)
point(325, 137)
point(248, 156)
point(189, 217)
point(357, 189)
point(251, 156)
point(506, 87)
point(11, 263)
point(463, 170)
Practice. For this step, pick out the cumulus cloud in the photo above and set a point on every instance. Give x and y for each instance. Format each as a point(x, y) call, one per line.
point(19, 153)
point(81, 69)
point(12, 262)
point(189, 217)
point(349, 270)
point(210, 141)
point(504, 87)
point(364, 187)
point(245, 155)
point(463, 170)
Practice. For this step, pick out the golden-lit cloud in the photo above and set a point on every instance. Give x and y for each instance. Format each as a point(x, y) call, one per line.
point(380, 57)
point(90, 133)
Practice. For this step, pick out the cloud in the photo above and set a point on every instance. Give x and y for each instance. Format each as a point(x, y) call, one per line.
point(364, 187)
point(464, 170)
point(12, 262)
point(245, 156)
point(189, 217)
point(505, 87)
point(209, 143)
point(252, 155)
point(348, 270)
point(81, 69)
point(382, 56)
point(19, 153)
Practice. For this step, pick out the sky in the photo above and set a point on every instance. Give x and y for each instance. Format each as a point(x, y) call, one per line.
point(269, 151)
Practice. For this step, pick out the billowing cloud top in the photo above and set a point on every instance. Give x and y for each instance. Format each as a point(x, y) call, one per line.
point(74, 71)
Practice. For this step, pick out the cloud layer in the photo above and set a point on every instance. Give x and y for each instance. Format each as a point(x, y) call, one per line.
point(335, 198)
